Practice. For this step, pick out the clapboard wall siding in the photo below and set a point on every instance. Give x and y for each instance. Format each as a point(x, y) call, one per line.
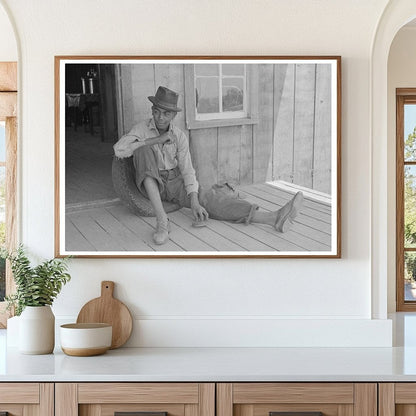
point(246, 155)
point(322, 136)
point(204, 151)
point(263, 130)
point(303, 129)
point(290, 142)
point(229, 150)
point(302, 140)
point(283, 116)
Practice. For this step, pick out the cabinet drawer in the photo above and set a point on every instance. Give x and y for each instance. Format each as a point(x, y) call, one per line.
point(138, 393)
point(107, 399)
point(268, 399)
point(19, 393)
point(21, 399)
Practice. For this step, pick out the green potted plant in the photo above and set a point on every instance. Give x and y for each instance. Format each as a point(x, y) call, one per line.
point(36, 289)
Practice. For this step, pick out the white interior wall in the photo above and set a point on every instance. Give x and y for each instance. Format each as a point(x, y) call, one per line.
point(248, 302)
point(8, 46)
point(401, 74)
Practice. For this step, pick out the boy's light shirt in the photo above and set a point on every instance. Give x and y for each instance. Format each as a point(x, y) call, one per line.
point(172, 154)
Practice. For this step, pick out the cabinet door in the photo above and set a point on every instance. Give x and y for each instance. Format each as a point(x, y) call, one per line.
point(397, 399)
point(142, 399)
point(297, 399)
point(26, 399)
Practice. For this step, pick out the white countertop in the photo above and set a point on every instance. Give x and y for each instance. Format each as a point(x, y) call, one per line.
point(215, 364)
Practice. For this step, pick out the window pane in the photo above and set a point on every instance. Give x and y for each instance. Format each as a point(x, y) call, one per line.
point(2, 142)
point(410, 275)
point(232, 94)
point(2, 279)
point(2, 230)
point(207, 70)
point(207, 99)
point(410, 132)
point(410, 206)
point(233, 69)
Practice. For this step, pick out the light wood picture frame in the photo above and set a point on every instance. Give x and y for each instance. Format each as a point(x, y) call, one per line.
point(256, 130)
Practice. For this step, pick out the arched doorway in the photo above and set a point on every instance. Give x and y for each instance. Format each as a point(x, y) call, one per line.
point(395, 16)
point(8, 150)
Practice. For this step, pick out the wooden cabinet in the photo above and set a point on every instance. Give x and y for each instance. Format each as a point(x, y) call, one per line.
point(27, 399)
point(222, 399)
point(105, 399)
point(208, 399)
point(332, 399)
point(397, 399)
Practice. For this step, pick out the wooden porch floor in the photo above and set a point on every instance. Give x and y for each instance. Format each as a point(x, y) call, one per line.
point(110, 226)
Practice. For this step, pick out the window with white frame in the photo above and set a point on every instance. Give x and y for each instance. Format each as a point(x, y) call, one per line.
point(220, 94)
point(220, 91)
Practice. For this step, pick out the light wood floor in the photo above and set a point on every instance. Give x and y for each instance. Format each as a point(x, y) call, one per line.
point(109, 226)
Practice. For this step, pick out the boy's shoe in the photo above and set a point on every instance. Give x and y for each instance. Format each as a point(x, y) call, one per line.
point(288, 212)
point(161, 236)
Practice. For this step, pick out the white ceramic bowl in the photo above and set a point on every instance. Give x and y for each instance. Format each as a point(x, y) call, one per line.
point(83, 340)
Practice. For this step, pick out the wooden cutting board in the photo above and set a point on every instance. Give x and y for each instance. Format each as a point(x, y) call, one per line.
point(108, 310)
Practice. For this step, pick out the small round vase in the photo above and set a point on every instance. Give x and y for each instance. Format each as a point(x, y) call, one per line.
point(37, 330)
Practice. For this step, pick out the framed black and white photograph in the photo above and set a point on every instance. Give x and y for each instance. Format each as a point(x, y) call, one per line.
point(198, 156)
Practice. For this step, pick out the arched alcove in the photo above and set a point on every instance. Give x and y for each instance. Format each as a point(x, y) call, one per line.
point(401, 74)
point(8, 138)
point(396, 15)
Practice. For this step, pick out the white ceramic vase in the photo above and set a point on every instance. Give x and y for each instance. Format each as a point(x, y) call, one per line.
point(12, 334)
point(37, 330)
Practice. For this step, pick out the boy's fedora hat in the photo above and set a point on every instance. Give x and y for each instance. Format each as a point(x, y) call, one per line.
point(166, 99)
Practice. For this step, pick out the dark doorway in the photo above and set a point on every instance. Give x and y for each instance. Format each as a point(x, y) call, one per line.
point(90, 132)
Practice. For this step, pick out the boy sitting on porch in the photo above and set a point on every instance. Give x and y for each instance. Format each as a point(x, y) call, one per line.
point(164, 172)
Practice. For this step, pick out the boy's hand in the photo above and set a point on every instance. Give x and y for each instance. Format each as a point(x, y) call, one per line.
point(198, 211)
point(164, 138)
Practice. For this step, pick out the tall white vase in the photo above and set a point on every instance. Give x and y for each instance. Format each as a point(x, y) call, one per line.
point(37, 330)
point(12, 334)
